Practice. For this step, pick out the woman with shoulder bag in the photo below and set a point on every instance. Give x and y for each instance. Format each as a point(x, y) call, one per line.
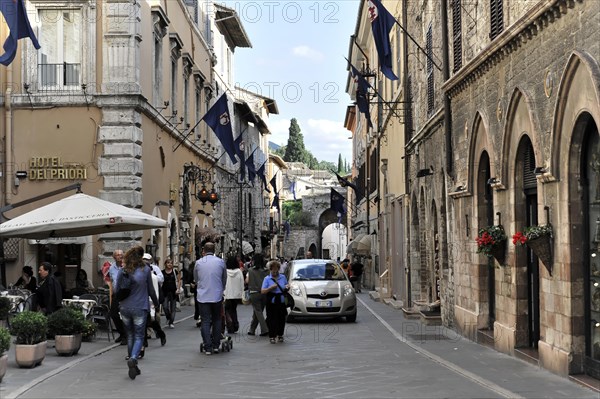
point(274, 287)
point(134, 308)
point(254, 279)
point(170, 289)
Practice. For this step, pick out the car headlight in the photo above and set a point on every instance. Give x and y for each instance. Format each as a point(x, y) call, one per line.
point(295, 288)
point(348, 290)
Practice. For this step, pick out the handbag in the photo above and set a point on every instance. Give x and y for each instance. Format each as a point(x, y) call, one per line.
point(124, 285)
point(246, 297)
point(288, 299)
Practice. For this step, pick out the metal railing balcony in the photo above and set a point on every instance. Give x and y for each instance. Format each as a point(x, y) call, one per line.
point(59, 77)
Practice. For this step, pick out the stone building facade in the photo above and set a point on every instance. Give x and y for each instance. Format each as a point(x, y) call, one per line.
point(525, 114)
point(120, 102)
point(501, 129)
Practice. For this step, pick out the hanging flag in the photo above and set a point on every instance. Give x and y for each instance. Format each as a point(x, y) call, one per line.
point(15, 15)
point(275, 202)
point(219, 120)
point(273, 183)
point(293, 189)
point(381, 23)
point(261, 173)
point(337, 204)
point(239, 145)
point(251, 168)
point(347, 183)
point(362, 92)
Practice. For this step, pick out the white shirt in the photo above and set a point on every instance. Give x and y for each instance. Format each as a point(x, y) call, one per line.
point(159, 275)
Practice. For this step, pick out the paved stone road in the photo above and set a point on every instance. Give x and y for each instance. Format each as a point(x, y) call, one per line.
point(380, 356)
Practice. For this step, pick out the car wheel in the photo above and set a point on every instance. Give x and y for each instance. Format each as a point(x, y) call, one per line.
point(351, 318)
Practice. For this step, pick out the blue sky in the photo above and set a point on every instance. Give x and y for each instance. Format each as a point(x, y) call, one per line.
point(297, 59)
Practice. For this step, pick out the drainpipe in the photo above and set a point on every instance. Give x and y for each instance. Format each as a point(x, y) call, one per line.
point(407, 137)
point(446, 76)
point(8, 161)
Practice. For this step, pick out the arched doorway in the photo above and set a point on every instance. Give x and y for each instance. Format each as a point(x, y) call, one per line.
point(485, 217)
point(334, 243)
point(585, 157)
point(528, 270)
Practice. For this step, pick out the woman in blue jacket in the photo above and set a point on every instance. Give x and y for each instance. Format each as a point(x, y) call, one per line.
point(134, 308)
point(273, 286)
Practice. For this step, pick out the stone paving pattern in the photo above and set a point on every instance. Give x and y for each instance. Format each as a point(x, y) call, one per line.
point(396, 358)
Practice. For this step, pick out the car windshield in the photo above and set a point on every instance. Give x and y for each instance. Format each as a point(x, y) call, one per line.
point(319, 271)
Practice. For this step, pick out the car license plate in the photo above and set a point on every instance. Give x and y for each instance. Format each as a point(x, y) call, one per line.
point(324, 304)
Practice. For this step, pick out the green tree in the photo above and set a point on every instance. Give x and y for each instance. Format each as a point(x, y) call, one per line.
point(295, 151)
point(340, 168)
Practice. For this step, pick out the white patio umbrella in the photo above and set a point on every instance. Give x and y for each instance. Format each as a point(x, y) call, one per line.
point(78, 215)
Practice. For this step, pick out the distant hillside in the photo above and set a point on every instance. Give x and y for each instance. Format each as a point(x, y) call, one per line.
point(273, 146)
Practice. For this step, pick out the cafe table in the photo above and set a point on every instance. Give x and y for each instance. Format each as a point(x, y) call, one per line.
point(85, 305)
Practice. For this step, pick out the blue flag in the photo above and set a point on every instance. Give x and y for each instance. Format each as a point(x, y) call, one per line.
point(219, 120)
point(381, 23)
point(362, 90)
point(238, 143)
point(16, 18)
point(261, 173)
point(293, 189)
point(251, 168)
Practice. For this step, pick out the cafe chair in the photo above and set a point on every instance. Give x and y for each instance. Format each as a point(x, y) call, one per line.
point(100, 315)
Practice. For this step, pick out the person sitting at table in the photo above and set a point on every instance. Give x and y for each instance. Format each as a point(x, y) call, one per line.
point(49, 292)
point(81, 281)
point(27, 281)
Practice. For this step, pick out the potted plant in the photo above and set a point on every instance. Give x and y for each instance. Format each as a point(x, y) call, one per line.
point(89, 331)
point(66, 325)
point(29, 328)
point(4, 309)
point(491, 241)
point(4, 346)
point(539, 239)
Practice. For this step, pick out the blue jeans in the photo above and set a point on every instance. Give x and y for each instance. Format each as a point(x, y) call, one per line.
point(210, 313)
point(134, 321)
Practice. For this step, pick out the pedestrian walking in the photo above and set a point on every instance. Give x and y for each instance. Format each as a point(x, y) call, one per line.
point(234, 290)
point(113, 271)
point(170, 289)
point(273, 287)
point(258, 300)
point(152, 321)
point(135, 307)
point(211, 276)
point(356, 269)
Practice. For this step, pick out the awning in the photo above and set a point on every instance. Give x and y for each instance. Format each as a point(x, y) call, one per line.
point(351, 248)
point(363, 246)
point(60, 240)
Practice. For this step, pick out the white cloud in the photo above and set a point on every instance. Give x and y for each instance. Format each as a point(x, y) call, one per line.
point(324, 138)
point(308, 52)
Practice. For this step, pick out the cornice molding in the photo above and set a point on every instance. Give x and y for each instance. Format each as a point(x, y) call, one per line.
point(535, 20)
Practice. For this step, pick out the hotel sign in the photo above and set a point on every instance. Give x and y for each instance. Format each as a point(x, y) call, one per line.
point(53, 168)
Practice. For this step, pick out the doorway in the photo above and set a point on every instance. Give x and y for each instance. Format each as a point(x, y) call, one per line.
point(533, 275)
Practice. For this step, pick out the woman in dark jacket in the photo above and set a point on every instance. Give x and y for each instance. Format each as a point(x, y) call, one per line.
point(27, 281)
point(254, 280)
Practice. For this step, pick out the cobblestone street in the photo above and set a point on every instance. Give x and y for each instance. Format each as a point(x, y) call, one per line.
point(381, 355)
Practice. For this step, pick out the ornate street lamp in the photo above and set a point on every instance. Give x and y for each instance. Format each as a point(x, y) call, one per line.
point(203, 195)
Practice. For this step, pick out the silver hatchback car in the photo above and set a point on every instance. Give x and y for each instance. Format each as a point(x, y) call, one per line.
point(320, 288)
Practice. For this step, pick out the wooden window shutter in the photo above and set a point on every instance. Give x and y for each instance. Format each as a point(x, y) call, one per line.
point(529, 179)
point(429, 50)
point(457, 34)
point(496, 18)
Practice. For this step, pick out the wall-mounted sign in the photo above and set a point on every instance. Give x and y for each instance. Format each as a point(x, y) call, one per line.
point(53, 168)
